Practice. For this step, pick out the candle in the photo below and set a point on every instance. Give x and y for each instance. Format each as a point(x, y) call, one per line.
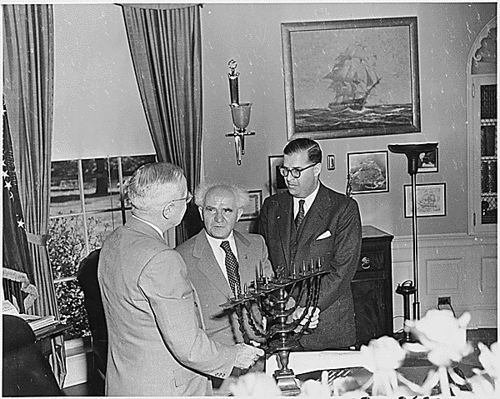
point(233, 82)
point(233, 88)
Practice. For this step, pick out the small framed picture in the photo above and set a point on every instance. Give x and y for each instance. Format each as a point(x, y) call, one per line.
point(431, 200)
point(368, 172)
point(252, 210)
point(276, 180)
point(428, 161)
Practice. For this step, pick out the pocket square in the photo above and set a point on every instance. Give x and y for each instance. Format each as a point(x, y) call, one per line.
point(326, 234)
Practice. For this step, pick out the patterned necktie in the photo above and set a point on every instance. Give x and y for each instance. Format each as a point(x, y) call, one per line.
point(232, 268)
point(300, 214)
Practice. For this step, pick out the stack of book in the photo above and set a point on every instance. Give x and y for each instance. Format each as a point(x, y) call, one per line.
point(38, 322)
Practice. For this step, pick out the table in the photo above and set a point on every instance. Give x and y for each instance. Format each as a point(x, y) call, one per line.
point(46, 340)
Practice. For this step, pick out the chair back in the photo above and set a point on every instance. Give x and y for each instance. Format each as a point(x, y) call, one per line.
point(87, 278)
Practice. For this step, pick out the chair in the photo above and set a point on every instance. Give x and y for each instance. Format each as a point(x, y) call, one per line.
point(87, 278)
point(25, 370)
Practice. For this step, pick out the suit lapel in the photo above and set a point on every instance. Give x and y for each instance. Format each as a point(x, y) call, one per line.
point(320, 208)
point(207, 264)
point(284, 223)
point(248, 271)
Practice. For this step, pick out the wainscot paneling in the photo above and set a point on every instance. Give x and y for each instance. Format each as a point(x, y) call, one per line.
point(456, 265)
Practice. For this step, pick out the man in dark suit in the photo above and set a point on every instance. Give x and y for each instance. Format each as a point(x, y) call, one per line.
point(312, 222)
point(157, 346)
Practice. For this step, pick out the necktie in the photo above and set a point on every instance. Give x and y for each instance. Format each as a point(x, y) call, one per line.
point(300, 215)
point(232, 268)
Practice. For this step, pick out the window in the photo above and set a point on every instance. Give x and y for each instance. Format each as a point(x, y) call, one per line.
point(86, 204)
point(482, 132)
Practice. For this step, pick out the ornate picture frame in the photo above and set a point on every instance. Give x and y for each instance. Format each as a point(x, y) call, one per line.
point(351, 78)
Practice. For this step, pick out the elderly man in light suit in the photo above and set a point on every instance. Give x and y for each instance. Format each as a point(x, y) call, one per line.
point(157, 346)
point(221, 206)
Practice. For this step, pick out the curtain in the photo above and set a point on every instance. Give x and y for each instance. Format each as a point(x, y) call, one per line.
point(28, 53)
point(165, 45)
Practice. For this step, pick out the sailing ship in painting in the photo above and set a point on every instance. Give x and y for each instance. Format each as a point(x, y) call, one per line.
point(353, 78)
point(355, 104)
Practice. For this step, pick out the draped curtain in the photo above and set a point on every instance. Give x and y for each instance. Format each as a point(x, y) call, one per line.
point(28, 78)
point(165, 45)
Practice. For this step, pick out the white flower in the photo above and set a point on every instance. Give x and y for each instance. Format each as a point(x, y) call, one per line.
point(383, 353)
point(442, 335)
point(490, 359)
point(255, 384)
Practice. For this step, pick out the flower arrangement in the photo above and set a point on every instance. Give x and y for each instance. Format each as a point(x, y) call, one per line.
point(441, 336)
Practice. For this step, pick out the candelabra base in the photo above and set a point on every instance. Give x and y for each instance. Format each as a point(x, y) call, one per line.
point(286, 382)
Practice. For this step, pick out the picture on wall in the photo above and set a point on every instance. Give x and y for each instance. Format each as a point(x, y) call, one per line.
point(276, 180)
point(431, 200)
point(368, 172)
point(428, 161)
point(351, 78)
point(252, 210)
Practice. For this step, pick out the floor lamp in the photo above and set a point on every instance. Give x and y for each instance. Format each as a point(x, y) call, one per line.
point(412, 152)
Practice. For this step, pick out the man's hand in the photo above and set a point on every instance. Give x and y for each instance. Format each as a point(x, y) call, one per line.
point(312, 313)
point(247, 356)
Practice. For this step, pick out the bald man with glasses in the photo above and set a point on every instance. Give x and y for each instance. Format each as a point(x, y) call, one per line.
point(312, 222)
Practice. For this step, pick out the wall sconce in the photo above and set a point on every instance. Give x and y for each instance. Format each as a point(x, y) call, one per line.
point(239, 112)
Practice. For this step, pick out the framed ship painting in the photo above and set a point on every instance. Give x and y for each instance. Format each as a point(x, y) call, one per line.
point(351, 78)
point(368, 172)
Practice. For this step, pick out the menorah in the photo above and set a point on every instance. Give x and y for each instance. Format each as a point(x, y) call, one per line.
point(271, 296)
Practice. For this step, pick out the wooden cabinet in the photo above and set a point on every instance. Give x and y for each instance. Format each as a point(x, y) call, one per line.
point(372, 286)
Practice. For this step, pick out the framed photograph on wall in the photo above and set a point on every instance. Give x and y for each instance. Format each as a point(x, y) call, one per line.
point(351, 78)
point(431, 200)
point(427, 162)
point(368, 172)
point(276, 181)
point(252, 210)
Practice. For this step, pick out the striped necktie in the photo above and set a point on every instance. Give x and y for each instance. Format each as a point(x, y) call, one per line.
point(232, 268)
point(300, 214)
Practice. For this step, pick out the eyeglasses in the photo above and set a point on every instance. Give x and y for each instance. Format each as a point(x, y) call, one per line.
point(187, 199)
point(294, 171)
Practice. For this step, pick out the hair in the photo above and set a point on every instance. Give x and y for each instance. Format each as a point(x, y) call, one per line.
point(241, 196)
point(298, 145)
point(149, 185)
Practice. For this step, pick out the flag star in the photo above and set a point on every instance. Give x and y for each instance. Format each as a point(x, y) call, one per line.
point(20, 223)
point(8, 185)
point(5, 174)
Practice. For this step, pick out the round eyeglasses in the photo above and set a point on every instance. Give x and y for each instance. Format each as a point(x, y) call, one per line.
point(296, 172)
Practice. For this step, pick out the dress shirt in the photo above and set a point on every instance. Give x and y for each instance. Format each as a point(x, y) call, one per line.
point(219, 253)
point(307, 204)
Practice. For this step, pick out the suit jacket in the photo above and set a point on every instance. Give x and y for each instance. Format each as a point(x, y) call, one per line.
point(331, 231)
point(155, 339)
point(213, 288)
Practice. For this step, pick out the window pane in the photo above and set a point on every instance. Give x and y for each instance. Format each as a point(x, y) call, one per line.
point(70, 301)
point(64, 188)
point(66, 245)
point(101, 225)
point(99, 184)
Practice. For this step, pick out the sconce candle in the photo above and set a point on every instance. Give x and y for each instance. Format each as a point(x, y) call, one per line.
point(240, 113)
point(233, 82)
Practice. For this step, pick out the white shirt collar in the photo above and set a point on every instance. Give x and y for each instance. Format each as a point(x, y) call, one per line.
point(308, 201)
